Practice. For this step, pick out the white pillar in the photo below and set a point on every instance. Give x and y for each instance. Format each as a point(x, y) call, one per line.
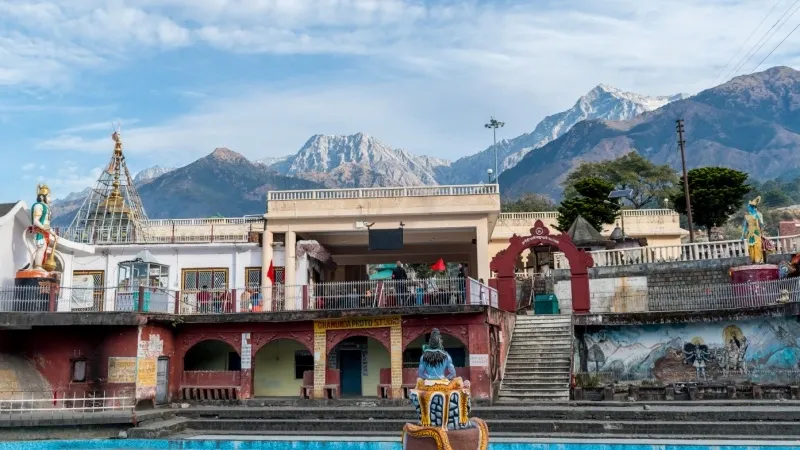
point(266, 259)
point(482, 250)
point(291, 270)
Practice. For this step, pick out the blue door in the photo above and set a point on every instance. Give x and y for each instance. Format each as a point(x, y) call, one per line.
point(350, 372)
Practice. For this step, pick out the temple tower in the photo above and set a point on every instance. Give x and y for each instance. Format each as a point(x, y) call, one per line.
point(113, 211)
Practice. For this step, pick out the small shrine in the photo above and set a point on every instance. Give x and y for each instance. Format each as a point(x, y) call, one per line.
point(113, 212)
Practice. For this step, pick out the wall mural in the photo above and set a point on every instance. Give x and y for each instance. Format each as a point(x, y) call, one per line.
point(763, 350)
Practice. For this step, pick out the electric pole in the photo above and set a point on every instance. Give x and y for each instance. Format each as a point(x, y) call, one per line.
point(682, 146)
point(494, 125)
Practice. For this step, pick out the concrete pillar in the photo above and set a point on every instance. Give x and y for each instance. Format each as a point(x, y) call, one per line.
point(482, 247)
point(266, 259)
point(291, 269)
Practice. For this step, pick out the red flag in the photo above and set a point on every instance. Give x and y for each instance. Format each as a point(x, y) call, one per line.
point(271, 272)
point(439, 266)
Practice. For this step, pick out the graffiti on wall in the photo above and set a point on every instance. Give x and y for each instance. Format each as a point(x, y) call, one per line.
point(761, 350)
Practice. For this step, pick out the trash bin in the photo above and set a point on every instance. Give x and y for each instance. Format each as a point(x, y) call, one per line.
point(545, 304)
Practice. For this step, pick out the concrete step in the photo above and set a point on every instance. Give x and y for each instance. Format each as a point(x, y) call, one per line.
point(561, 379)
point(547, 350)
point(528, 335)
point(598, 427)
point(527, 386)
point(544, 328)
point(544, 358)
point(534, 366)
point(538, 374)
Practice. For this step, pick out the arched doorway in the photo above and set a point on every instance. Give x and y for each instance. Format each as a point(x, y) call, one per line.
point(212, 355)
point(457, 350)
point(278, 368)
point(359, 360)
point(504, 264)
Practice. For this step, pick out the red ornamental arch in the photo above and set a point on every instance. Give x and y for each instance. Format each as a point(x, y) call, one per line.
point(504, 264)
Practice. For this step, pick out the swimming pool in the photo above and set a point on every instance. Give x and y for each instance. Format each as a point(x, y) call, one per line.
point(282, 443)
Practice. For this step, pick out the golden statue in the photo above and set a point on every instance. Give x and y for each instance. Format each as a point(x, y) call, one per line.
point(752, 231)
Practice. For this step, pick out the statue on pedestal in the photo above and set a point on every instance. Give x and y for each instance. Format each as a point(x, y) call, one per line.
point(752, 233)
point(443, 404)
point(44, 239)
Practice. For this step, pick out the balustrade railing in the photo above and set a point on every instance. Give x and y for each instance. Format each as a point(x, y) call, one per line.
point(387, 192)
point(109, 236)
point(684, 252)
point(16, 405)
point(554, 214)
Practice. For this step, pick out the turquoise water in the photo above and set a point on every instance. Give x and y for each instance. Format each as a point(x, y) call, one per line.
point(136, 444)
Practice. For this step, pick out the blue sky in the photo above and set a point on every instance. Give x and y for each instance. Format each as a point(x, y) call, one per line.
point(262, 76)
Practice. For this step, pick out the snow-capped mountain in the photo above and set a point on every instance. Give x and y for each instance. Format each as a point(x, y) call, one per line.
point(272, 160)
point(147, 175)
point(603, 102)
point(359, 160)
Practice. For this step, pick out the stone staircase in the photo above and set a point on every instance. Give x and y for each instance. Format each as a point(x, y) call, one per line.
point(538, 365)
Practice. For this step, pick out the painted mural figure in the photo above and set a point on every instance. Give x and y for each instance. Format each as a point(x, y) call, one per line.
point(752, 231)
point(735, 350)
point(696, 353)
point(443, 403)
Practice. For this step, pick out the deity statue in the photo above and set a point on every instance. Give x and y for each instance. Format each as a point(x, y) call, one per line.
point(752, 232)
point(44, 239)
point(443, 404)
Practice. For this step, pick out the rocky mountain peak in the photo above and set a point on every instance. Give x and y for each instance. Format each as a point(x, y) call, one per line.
point(226, 154)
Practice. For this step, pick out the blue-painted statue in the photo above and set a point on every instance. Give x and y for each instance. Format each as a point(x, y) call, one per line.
point(443, 403)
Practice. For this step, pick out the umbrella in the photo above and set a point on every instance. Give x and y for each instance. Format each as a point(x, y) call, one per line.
point(439, 266)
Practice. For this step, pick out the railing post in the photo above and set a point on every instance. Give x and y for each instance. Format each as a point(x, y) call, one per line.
point(305, 297)
point(212, 233)
point(177, 306)
point(172, 239)
point(140, 305)
point(53, 298)
point(468, 291)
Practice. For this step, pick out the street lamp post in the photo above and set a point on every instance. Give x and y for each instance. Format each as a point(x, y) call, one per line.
point(494, 124)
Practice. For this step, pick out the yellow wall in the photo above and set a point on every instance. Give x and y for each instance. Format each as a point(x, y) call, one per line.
point(377, 358)
point(274, 374)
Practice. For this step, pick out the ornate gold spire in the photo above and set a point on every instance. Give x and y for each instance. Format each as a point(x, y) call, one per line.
point(115, 202)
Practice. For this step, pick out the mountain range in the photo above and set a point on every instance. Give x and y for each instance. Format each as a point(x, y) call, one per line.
point(749, 123)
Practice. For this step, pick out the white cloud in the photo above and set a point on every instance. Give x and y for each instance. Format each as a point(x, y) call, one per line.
point(29, 166)
point(425, 76)
point(71, 177)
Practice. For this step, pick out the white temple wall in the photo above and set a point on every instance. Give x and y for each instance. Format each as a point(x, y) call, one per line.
point(19, 255)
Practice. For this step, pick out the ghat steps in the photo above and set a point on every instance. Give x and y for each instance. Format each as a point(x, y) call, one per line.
point(538, 362)
point(676, 420)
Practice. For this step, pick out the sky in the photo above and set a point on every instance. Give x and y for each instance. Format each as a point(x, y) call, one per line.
point(260, 77)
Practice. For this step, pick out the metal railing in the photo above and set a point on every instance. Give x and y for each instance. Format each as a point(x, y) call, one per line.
point(605, 377)
point(387, 192)
point(320, 296)
point(722, 296)
point(48, 298)
point(42, 404)
point(253, 218)
point(684, 252)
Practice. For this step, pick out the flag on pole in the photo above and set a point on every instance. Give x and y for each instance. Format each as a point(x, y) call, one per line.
point(271, 273)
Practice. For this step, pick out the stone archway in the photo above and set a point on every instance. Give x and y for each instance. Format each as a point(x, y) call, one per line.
point(504, 264)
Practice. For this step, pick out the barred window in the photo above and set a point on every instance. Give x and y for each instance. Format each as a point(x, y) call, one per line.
point(214, 279)
point(252, 276)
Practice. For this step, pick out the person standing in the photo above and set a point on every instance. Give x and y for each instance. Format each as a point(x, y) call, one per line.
point(462, 282)
point(400, 276)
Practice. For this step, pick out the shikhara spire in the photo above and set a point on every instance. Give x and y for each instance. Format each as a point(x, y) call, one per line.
point(113, 211)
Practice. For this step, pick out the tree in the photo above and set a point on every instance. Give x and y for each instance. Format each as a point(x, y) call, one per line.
point(529, 203)
point(716, 194)
point(650, 183)
point(591, 202)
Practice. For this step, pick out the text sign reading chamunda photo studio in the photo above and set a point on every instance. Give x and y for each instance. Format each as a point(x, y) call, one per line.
point(366, 322)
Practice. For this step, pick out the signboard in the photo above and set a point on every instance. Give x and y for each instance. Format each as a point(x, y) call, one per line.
point(479, 360)
point(247, 352)
point(366, 322)
point(364, 363)
point(146, 374)
point(122, 370)
point(155, 346)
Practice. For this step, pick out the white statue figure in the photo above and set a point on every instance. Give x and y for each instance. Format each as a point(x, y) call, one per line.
point(44, 239)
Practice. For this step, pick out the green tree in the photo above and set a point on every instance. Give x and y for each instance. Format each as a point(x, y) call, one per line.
point(529, 203)
point(591, 202)
point(776, 198)
point(716, 194)
point(650, 183)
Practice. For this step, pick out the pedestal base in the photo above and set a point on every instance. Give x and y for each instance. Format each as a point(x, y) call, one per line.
point(416, 437)
point(754, 273)
point(32, 290)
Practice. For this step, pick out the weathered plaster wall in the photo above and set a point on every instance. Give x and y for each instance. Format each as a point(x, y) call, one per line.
point(760, 350)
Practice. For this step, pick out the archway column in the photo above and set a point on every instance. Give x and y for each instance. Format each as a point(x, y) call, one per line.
point(391, 338)
point(479, 360)
point(504, 264)
point(246, 383)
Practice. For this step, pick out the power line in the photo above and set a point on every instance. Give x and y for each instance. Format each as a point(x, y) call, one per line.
point(764, 39)
point(776, 47)
point(714, 82)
